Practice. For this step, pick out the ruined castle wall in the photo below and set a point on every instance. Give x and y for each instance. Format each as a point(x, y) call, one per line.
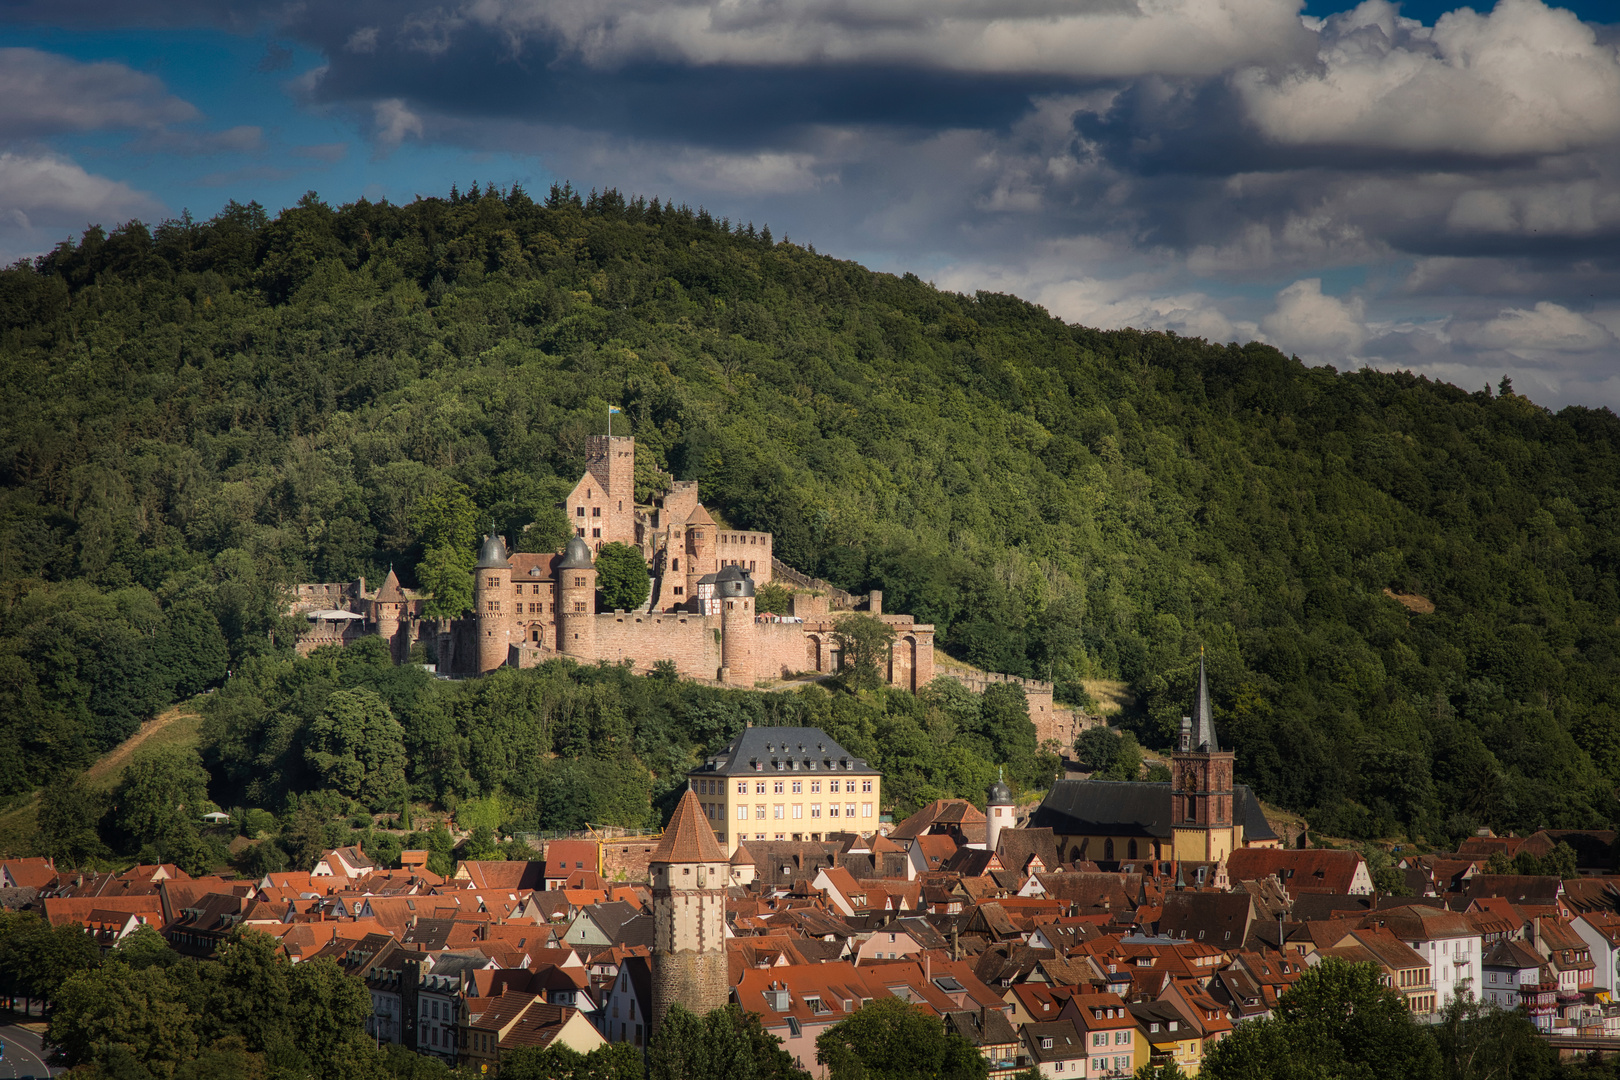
point(1052, 722)
point(692, 641)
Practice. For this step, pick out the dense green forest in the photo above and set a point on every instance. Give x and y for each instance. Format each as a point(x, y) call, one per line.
point(201, 413)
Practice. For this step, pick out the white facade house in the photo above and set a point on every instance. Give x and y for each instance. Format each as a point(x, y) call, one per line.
point(1449, 943)
point(1601, 932)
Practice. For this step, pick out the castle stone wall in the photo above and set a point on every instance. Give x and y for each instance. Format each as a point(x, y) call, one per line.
point(692, 641)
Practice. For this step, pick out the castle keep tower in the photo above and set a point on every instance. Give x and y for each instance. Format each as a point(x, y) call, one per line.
point(576, 601)
point(610, 461)
point(492, 593)
point(1201, 786)
point(734, 590)
point(689, 872)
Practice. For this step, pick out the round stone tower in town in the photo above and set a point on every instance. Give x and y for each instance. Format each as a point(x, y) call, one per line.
point(576, 600)
point(492, 601)
point(998, 813)
point(689, 872)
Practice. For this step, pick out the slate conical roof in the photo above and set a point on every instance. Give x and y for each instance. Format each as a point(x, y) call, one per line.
point(688, 838)
point(492, 556)
point(390, 593)
point(1203, 718)
point(576, 556)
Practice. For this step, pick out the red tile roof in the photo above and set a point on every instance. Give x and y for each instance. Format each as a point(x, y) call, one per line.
point(688, 838)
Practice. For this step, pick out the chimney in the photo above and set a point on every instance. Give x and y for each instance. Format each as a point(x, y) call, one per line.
point(956, 944)
point(928, 966)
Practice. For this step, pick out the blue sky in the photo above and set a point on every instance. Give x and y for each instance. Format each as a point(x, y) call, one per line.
point(1414, 187)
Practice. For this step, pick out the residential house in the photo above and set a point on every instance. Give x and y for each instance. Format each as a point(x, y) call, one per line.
point(1057, 1049)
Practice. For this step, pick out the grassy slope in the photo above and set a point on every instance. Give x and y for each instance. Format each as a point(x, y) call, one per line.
point(178, 726)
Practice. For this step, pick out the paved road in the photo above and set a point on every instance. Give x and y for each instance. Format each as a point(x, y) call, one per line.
point(24, 1057)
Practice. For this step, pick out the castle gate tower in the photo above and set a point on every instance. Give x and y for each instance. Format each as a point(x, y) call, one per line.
point(739, 633)
point(492, 604)
point(689, 872)
point(1201, 786)
point(576, 601)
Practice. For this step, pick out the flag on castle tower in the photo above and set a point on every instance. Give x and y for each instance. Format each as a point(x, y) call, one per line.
point(611, 410)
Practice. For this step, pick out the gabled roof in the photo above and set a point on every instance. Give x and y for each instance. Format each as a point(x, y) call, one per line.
point(1299, 870)
point(943, 811)
point(699, 516)
point(688, 838)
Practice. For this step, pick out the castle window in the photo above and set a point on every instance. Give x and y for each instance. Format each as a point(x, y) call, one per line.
point(579, 511)
point(492, 605)
point(675, 564)
point(679, 590)
point(596, 511)
point(493, 582)
point(579, 532)
point(579, 582)
point(579, 606)
point(596, 533)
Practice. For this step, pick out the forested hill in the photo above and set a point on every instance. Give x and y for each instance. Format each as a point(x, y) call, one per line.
point(198, 414)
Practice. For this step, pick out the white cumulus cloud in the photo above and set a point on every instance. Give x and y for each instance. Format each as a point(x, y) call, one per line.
point(1315, 326)
point(1525, 78)
point(47, 94)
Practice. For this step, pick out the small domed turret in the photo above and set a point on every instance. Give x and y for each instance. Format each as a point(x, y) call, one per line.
point(733, 581)
point(576, 556)
point(999, 794)
point(492, 556)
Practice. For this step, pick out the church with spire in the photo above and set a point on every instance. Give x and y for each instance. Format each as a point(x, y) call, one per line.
point(1200, 816)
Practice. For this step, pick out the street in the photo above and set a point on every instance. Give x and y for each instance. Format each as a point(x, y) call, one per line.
point(24, 1057)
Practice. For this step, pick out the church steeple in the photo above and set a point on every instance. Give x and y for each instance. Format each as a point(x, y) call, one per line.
point(1203, 718)
point(1201, 794)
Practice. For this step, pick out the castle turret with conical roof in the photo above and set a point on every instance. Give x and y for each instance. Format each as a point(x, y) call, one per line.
point(690, 872)
point(388, 611)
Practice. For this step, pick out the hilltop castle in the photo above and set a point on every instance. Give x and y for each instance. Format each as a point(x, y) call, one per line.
point(528, 608)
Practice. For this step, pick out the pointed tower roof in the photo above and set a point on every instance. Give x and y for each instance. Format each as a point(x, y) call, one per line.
point(1203, 718)
point(390, 593)
point(699, 516)
point(687, 837)
point(742, 855)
